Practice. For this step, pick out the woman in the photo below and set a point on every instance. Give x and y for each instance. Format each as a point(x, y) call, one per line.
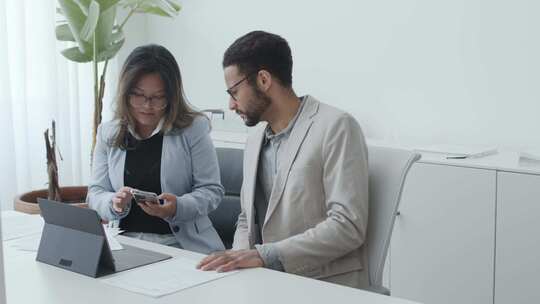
point(157, 143)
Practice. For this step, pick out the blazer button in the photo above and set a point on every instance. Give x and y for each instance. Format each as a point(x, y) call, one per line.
point(176, 228)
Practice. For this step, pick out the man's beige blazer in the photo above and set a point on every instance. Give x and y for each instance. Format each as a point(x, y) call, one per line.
point(318, 209)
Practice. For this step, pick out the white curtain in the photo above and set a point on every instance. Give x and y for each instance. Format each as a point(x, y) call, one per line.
point(37, 85)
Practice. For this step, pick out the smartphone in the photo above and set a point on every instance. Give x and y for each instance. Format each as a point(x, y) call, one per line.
point(143, 196)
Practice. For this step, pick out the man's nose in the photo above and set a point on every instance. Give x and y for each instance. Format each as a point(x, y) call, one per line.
point(232, 104)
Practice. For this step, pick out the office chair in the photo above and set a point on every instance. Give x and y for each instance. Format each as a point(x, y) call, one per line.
point(387, 171)
point(225, 216)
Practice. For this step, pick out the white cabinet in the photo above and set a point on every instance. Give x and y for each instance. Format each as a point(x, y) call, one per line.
point(444, 238)
point(517, 267)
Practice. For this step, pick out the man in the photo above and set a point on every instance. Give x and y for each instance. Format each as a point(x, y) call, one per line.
point(304, 196)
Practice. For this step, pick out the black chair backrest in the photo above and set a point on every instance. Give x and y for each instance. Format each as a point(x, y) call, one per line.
point(225, 216)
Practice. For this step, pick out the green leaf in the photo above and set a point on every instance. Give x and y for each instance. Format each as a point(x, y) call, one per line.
point(155, 11)
point(117, 35)
point(104, 29)
point(103, 4)
point(166, 8)
point(76, 19)
point(111, 51)
point(106, 4)
point(162, 8)
point(175, 4)
point(87, 32)
point(130, 4)
point(74, 54)
point(84, 5)
point(63, 33)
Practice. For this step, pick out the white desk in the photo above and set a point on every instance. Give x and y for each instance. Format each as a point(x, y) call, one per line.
point(28, 281)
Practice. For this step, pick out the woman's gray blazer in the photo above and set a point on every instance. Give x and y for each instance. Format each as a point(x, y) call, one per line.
point(189, 170)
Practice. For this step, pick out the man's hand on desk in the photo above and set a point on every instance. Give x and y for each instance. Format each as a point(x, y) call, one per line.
point(228, 260)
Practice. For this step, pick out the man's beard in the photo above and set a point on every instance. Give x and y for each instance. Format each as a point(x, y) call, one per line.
point(256, 107)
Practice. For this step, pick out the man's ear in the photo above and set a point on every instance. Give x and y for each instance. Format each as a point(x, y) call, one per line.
point(264, 80)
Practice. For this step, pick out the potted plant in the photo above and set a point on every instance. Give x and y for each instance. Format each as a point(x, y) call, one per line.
point(95, 31)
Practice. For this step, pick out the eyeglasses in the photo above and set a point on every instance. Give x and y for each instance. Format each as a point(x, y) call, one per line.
point(230, 90)
point(137, 100)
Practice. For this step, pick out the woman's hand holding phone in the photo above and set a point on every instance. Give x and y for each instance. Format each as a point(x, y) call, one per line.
point(163, 210)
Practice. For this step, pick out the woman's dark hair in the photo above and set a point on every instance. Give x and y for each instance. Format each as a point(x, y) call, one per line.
point(150, 59)
point(260, 50)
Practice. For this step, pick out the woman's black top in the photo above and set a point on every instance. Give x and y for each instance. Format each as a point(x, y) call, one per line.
point(142, 170)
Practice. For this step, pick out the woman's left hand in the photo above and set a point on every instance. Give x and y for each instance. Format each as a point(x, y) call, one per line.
point(168, 209)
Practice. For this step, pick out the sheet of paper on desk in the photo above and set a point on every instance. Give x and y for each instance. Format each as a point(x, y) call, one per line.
point(163, 278)
point(16, 225)
point(27, 243)
point(31, 242)
point(111, 234)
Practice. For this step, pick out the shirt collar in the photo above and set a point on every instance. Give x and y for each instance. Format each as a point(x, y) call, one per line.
point(156, 130)
point(269, 134)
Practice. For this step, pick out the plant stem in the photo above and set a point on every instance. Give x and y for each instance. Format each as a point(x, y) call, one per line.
point(128, 16)
point(104, 72)
point(96, 97)
point(99, 85)
point(107, 61)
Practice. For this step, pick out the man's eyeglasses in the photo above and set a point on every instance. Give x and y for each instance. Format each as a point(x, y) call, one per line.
point(230, 90)
point(138, 100)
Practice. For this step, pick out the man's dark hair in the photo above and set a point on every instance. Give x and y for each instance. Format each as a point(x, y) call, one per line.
point(260, 50)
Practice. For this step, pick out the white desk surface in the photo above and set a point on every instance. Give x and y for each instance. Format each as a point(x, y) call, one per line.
point(29, 281)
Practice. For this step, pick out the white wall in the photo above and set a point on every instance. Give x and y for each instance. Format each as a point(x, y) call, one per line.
point(412, 72)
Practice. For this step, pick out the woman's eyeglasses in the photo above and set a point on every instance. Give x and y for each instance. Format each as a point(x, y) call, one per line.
point(138, 100)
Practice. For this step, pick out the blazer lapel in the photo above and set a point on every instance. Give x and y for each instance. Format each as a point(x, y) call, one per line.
point(298, 134)
point(251, 154)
